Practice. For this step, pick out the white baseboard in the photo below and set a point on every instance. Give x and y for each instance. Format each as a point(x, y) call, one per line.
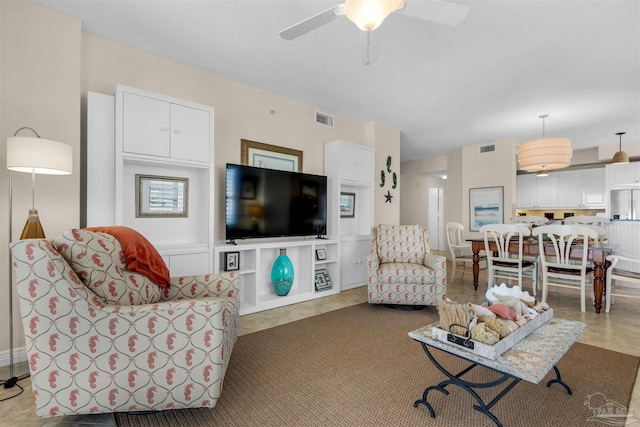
point(19, 356)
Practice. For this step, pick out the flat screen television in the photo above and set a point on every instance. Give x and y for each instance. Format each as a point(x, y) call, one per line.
point(264, 202)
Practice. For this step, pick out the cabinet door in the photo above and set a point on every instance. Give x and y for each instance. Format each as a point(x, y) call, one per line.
point(362, 251)
point(547, 190)
point(146, 126)
point(189, 264)
point(526, 191)
point(348, 162)
point(622, 174)
point(570, 189)
point(356, 164)
point(190, 130)
point(348, 270)
point(365, 166)
point(593, 187)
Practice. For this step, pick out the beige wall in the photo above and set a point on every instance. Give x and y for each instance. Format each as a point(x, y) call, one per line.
point(422, 166)
point(494, 169)
point(386, 140)
point(465, 168)
point(414, 198)
point(39, 88)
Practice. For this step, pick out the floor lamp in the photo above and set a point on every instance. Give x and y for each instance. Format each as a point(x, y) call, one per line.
point(32, 155)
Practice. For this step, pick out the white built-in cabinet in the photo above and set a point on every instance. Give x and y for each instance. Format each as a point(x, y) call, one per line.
point(575, 189)
point(623, 174)
point(350, 169)
point(155, 127)
point(157, 136)
point(353, 260)
point(256, 261)
point(356, 163)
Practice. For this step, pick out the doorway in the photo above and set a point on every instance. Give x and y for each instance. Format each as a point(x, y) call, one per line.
point(436, 220)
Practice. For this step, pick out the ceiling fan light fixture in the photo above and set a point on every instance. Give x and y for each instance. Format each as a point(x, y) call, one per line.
point(369, 14)
point(620, 156)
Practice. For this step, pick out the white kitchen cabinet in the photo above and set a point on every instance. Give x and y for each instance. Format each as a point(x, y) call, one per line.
point(537, 191)
point(547, 190)
point(576, 189)
point(526, 191)
point(594, 188)
point(353, 262)
point(157, 127)
point(582, 188)
point(570, 189)
point(256, 260)
point(624, 174)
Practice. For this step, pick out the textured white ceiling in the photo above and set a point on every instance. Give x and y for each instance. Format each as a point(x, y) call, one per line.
point(488, 78)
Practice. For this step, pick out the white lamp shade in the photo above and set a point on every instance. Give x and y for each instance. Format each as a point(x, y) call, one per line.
point(42, 156)
point(545, 154)
point(369, 14)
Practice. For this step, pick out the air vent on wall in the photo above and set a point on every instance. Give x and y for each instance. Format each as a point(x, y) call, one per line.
point(487, 148)
point(324, 119)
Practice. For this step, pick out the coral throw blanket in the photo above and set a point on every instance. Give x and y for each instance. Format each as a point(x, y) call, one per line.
point(140, 254)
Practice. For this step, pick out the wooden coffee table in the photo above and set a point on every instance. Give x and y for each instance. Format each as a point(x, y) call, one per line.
point(530, 360)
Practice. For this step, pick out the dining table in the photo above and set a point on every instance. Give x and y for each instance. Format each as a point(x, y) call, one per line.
point(530, 246)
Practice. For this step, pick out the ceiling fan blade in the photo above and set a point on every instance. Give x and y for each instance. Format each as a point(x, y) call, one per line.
point(303, 27)
point(436, 11)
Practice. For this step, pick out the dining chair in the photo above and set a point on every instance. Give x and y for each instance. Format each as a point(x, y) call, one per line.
point(459, 250)
point(558, 268)
point(631, 278)
point(531, 220)
point(599, 241)
point(503, 264)
point(586, 219)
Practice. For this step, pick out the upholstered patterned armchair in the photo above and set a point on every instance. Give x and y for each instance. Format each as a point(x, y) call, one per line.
point(402, 269)
point(100, 338)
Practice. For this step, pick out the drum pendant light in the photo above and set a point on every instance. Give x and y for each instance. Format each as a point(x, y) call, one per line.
point(544, 155)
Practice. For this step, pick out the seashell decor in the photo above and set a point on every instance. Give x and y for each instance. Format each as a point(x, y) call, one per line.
point(504, 290)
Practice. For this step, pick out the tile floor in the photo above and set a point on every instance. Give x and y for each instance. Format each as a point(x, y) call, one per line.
point(617, 331)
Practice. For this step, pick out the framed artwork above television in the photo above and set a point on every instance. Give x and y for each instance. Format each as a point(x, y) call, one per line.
point(268, 156)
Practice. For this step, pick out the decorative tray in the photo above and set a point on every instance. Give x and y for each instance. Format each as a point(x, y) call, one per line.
point(493, 351)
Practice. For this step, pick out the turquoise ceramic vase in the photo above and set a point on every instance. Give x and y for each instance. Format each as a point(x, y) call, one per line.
point(282, 274)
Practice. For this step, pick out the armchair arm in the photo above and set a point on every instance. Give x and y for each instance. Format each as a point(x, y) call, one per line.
point(207, 285)
point(373, 262)
point(435, 262)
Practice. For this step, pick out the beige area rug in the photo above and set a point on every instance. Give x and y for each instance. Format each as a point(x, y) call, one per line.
point(358, 367)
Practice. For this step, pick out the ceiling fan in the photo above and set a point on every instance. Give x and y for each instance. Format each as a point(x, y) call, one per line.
point(369, 14)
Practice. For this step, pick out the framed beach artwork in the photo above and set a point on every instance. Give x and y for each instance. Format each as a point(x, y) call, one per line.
point(161, 196)
point(486, 206)
point(347, 205)
point(269, 156)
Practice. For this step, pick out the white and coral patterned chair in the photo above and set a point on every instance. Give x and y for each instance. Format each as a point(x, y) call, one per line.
point(101, 338)
point(402, 269)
